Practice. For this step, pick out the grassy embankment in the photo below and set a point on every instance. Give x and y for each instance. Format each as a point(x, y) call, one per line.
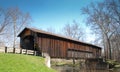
point(22, 63)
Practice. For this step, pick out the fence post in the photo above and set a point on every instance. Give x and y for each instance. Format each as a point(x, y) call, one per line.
point(13, 49)
point(20, 50)
point(5, 49)
point(34, 53)
point(26, 51)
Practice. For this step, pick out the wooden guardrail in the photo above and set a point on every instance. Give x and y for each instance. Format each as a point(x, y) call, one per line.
point(17, 50)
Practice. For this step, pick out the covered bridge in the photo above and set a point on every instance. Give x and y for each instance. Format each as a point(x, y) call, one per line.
point(56, 46)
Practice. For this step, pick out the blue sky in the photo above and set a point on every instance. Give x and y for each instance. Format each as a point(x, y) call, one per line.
point(50, 13)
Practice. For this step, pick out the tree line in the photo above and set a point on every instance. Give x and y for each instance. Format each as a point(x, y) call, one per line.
point(104, 19)
point(12, 21)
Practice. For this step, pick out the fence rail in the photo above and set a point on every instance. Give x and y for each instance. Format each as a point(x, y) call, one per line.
point(17, 50)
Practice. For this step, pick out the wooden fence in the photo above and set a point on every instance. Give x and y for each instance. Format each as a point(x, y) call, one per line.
point(17, 50)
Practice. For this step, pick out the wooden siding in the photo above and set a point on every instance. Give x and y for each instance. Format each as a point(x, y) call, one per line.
point(58, 47)
point(25, 33)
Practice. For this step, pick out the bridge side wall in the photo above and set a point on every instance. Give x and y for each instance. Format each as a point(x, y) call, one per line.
point(56, 46)
point(62, 48)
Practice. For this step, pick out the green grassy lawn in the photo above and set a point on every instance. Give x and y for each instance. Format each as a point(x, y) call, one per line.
point(22, 63)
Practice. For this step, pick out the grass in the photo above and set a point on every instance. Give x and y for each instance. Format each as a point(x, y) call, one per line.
point(22, 63)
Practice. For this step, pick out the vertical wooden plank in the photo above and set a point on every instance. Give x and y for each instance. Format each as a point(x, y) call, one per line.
point(53, 47)
point(66, 45)
point(60, 49)
point(41, 42)
point(64, 49)
point(45, 44)
point(57, 48)
point(49, 47)
point(48, 44)
point(20, 50)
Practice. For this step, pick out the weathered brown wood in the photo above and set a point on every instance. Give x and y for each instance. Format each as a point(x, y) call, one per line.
point(57, 46)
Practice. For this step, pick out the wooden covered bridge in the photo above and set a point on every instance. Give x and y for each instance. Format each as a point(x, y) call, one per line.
point(56, 46)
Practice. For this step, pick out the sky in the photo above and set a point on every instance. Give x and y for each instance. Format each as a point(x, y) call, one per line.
point(51, 13)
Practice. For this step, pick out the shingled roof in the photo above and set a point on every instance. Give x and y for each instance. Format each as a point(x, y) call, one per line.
point(56, 35)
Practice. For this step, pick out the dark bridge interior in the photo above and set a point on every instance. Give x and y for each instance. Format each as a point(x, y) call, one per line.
point(28, 42)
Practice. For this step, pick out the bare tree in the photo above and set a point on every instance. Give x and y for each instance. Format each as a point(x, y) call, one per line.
point(74, 31)
point(114, 7)
point(104, 20)
point(16, 21)
point(4, 20)
point(4, 24)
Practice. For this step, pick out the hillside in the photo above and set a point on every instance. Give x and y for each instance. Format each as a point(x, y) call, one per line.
point(22, 63)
